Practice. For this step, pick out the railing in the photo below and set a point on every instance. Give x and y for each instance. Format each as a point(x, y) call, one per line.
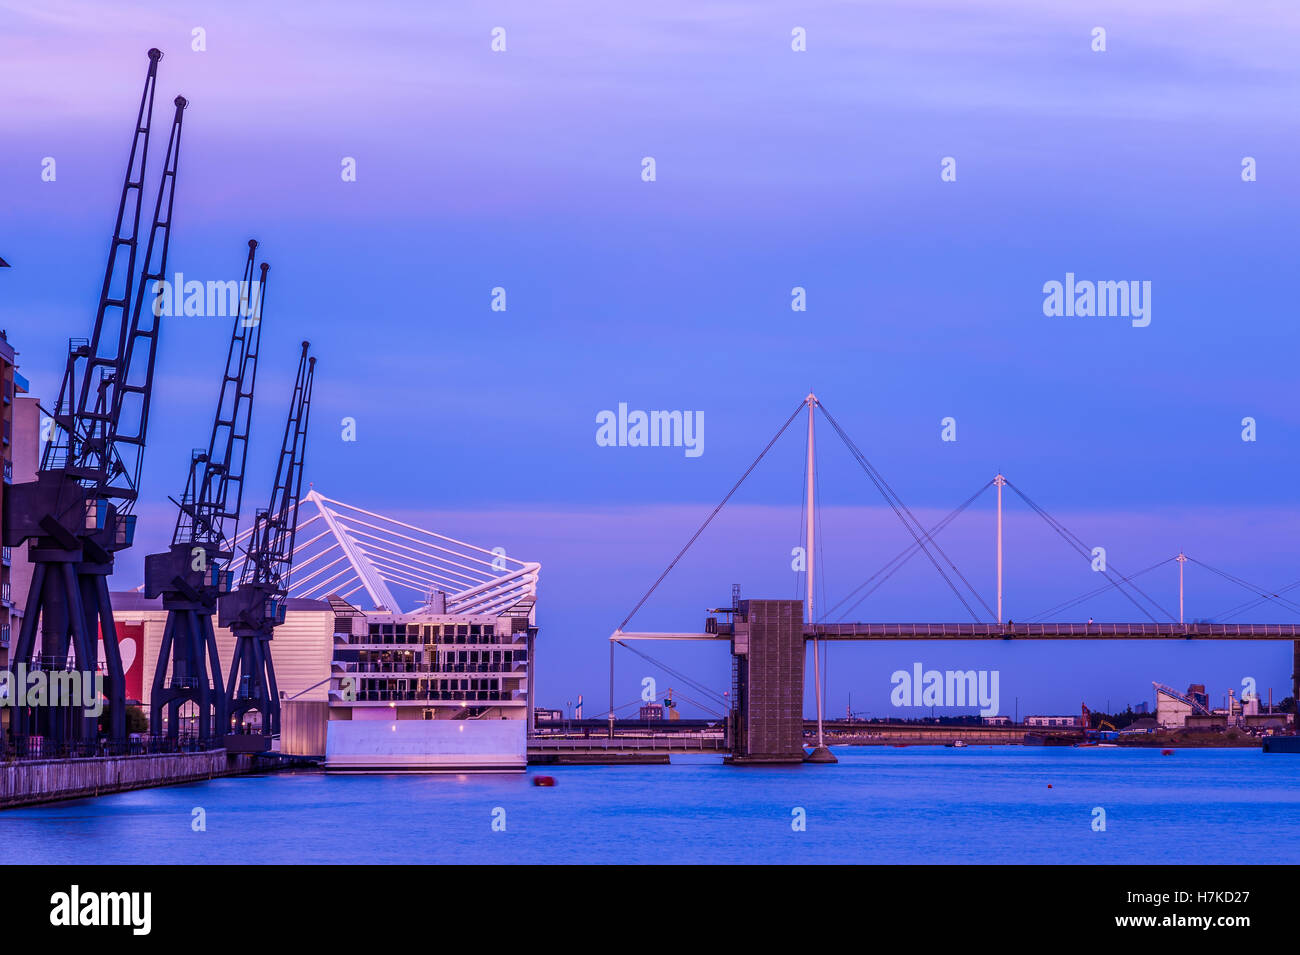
point(190, 683)
point(476, 640)
point(1010, 631)
point(436, 696)
point(39, 747)
point(432, 668)
point(671, 743)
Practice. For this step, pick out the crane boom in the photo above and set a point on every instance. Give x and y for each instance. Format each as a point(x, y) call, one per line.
point(215, 488)
point(132, 389)
point(76, 513)
point(75, 419)
point(257, 607)
point(191, 576)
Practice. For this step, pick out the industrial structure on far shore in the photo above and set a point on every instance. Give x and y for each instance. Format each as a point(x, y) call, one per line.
point(1191, 710)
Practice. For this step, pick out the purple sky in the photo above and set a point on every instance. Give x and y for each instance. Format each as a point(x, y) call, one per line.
point(775, 169)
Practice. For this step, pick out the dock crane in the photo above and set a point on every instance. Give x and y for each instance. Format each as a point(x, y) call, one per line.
point(192, 574)
point(257, 606)
point(77, 513)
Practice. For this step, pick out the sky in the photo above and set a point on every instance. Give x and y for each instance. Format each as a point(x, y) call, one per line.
point(775, 168)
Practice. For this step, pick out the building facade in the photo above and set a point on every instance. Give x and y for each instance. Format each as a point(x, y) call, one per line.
point(20, 418)
point(1053, 720)
point(430, 692)
point(1174, 708)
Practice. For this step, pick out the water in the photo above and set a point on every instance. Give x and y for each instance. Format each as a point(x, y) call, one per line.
point(879, 805)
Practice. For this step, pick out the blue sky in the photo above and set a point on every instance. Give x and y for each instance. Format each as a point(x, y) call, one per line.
point(775, 169)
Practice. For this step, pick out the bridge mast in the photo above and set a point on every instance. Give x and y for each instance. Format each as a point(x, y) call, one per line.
point(1182, 559)
point(1000, 482)
point(820, 754)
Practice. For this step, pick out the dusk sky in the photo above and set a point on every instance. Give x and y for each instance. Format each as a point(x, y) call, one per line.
point(774, 169)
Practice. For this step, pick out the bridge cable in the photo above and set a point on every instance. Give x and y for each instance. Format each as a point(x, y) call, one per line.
point(1251, 604)
point(900, 509)
point(917, 523)
point(703, 706)
point(622, 706)
point(709, 519)
point(1073, 540)
point(904, 556)
point(1036, 618)
point(694, 684)
point(1263, 594)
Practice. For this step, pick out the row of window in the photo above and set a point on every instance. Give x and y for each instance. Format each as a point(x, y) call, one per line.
point(446, 656)
point(451, 690)
point(431, 632)
point(432, 668)
point(396, 696)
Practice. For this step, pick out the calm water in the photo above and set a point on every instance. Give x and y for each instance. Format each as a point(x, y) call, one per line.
point(879, 805)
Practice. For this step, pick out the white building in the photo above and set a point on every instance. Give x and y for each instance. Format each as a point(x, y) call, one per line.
point(444, 687)
point(1052, 720)
point(1173, 708)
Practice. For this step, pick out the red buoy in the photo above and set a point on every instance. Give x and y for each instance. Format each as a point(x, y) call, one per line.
point(543, 780)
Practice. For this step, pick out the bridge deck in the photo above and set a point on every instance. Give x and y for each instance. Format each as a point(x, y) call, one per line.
point(1016, 631)
point(1054, 631)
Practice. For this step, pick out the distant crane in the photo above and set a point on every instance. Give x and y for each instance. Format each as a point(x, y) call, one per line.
point(257, 607)
point(191, 575)
point(77, 513)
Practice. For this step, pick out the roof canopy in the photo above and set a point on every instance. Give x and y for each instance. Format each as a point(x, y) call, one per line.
point(344, 550)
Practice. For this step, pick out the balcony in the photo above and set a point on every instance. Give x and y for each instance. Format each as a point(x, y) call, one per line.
point(436, 696)
point(431, 668)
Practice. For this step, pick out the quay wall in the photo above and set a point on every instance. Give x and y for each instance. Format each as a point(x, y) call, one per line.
point(27, 782)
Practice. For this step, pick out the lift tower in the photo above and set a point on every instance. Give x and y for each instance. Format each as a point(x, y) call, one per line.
point(192, 574)
point(256, 608)
point(77, 513)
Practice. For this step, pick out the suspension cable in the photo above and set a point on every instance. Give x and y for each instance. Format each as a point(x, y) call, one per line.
point(906, 517)
point(1073, 540)
point(1263, 594)
point(1251, 604)
point(694, 684)
point(1093, 593)
point(904, 556)
point(707, 521)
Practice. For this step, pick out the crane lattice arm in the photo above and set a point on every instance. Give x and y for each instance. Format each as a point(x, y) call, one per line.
point(132, 388)
point(215, 488)
point(271, 554)
point(78, 423)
